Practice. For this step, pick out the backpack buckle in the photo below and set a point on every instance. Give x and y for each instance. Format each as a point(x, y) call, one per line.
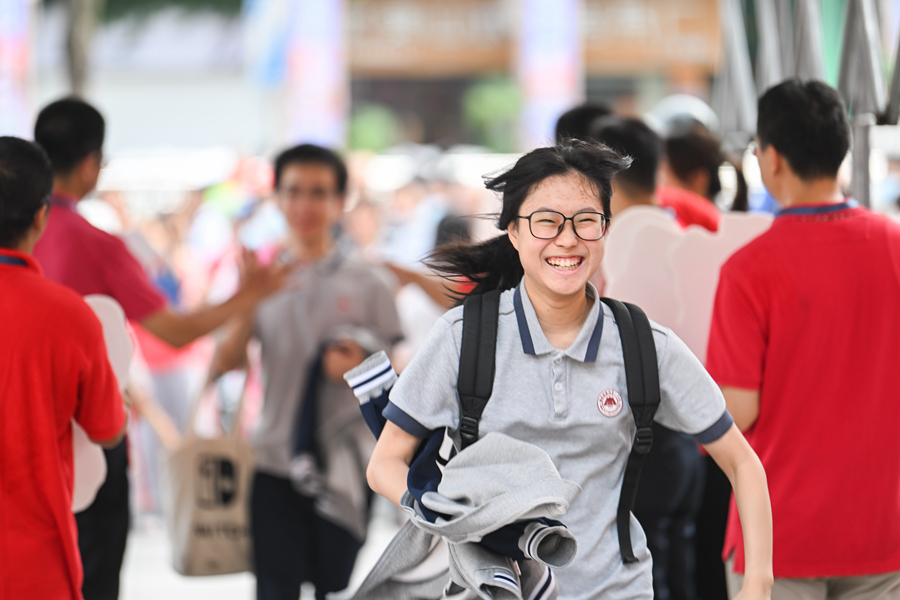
point(468, 430)
point(643, 440)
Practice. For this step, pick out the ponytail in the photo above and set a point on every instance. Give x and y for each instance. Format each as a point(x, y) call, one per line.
point(490, 265)
point(741, 196)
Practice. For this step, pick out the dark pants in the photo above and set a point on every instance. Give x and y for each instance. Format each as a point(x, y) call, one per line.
point(103, 529)
point(293, 545)
point(711, 523)
point(668, 499)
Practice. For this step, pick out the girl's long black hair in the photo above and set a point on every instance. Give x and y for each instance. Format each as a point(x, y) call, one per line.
point(494, 264)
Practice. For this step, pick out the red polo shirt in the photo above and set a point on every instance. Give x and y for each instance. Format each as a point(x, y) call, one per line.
point(808, 313)
point(53, 368)
point(90, 261)
point(689, 208)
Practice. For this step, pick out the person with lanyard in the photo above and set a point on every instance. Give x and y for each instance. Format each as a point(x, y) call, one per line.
point(309, 503)
point(560, 381)
point(76, 254)
point(804, 340)
point(53, 369)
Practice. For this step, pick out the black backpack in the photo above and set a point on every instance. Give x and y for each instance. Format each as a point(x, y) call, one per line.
point(477, 360)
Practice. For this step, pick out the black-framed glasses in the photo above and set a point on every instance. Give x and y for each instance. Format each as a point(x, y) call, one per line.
point(547, 224)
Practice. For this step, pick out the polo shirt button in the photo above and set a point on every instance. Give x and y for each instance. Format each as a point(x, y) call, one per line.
point(558, 387)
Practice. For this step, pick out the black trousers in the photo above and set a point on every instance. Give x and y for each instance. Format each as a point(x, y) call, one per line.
point(668, 498)
point(103, 529)
point(293, 545)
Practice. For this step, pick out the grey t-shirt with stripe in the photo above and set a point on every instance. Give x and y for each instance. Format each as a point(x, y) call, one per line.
point(552, 398)
point(319, 302)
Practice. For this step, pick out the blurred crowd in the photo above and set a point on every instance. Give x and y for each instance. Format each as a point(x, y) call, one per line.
point(297, 269)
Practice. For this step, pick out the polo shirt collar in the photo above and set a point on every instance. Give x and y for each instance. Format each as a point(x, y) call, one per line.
point(818, 209)
point(61, 200)
point(329, 263)
point(16, 259)
point(585, 346)
point(319, 268)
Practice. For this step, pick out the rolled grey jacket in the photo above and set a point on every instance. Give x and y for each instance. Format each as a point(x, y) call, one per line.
point(497, 481)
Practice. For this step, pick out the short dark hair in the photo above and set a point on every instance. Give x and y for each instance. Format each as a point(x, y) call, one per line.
point(696, 150)
point(310, 153)
point(632, 137)
point(806, 122)
point(69, 130)
point(575, 123)
point(26, 182)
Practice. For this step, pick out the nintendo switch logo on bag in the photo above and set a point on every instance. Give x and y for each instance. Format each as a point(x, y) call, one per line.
point(218, 485)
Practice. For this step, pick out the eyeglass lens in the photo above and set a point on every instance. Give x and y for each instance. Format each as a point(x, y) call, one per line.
point(546, 225)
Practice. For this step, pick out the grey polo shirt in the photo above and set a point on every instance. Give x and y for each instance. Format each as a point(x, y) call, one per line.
point(552, 398)
point(318, 302)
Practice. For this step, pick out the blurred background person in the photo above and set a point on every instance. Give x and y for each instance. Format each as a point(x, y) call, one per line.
point(637, 185)
point(310, 501)
point(90, 261)
point(693, 157)
point(671, 486)
point(55, 368)
point(576, 122)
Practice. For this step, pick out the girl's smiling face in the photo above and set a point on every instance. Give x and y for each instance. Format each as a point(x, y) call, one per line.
point(558, 268)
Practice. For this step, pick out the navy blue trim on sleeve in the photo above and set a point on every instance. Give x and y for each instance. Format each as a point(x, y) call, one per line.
point(524, 331)
point(398, 417)
point(716, 430)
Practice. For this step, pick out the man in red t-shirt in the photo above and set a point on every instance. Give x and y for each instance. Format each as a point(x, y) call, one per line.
point(804, 341)
point(53, 368)
point(90, 261)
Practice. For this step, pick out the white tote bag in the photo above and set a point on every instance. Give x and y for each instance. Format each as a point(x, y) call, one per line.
point(208, 494)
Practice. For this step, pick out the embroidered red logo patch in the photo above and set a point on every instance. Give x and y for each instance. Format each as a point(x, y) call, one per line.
point(610, 403)
point(344, 304)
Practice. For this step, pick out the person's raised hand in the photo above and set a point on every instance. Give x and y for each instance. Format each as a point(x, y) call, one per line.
point(262, 281)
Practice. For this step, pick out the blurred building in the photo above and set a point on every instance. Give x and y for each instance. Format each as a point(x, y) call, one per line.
point(420, 70)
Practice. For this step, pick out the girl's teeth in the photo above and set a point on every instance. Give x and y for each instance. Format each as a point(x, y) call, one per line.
point(564, 263)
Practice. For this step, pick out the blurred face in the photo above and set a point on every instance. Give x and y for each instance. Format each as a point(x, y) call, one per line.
point(769, 162)
point(558, 268)
point(309, 199)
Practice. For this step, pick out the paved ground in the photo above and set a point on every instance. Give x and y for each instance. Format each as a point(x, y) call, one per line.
point(147, 574)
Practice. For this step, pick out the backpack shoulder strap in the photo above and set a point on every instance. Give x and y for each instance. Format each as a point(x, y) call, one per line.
point(477, 360)
point(642, 381)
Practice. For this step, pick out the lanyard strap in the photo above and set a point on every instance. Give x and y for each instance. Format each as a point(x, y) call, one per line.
point(12, 260)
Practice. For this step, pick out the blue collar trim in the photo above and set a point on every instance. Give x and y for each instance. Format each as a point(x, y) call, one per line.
point(821, 209)
point(524, 331)
point(593, 345)
point(12, 260)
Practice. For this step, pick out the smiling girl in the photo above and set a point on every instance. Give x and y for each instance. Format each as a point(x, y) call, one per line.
point(560, 378)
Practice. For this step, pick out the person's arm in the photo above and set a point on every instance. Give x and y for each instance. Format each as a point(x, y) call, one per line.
point(436, 287)
point(751, 492)
point(257, 283)
point(113, 442)
point(158, 419)
point(390, 461)
point(231, 351)
point(743, 406)
point(180, 330)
